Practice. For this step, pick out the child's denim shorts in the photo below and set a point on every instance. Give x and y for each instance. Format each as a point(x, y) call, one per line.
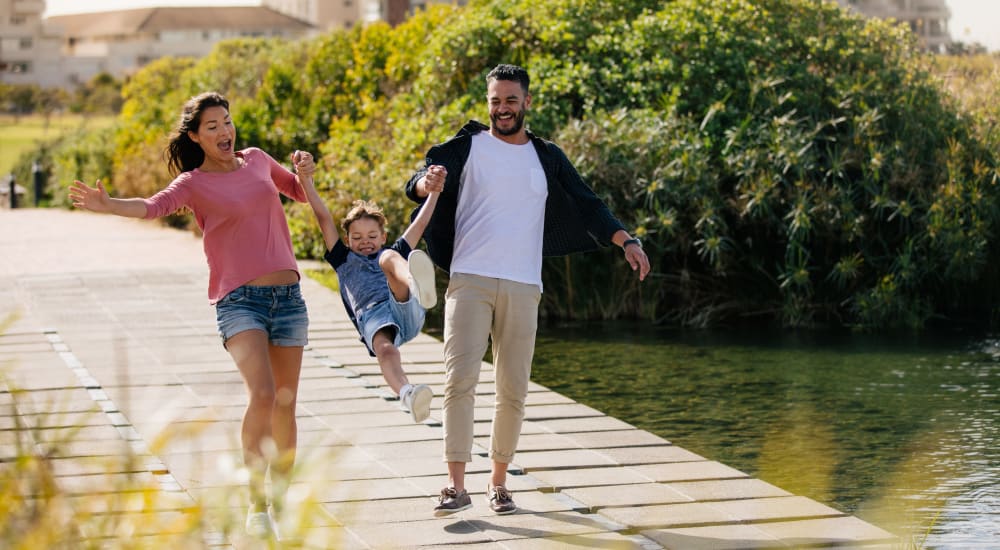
point(407, 318)
point(277, 310)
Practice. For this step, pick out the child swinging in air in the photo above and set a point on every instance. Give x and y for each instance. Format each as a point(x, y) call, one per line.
point(386, 290)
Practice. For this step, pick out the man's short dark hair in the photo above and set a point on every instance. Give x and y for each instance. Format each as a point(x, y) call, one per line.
point(504, 71)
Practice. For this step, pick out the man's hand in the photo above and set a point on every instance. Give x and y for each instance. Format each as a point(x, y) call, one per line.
point(303, 163)
point(636, 257)
point(434, 179)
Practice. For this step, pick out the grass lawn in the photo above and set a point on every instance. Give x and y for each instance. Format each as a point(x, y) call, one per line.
point(22, 134)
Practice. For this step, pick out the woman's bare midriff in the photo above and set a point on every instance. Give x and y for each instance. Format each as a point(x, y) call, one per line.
point(275, 278)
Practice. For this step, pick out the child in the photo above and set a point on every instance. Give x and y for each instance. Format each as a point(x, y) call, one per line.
point(386, 290)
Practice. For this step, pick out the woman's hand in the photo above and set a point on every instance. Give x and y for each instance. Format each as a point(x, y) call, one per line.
point(95, 199)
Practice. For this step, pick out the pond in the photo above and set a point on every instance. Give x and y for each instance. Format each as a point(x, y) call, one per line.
point(902, 432)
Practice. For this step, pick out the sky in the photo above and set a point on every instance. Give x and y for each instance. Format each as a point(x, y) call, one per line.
point(971, 20)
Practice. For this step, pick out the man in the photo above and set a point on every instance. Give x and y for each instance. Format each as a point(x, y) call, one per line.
point(507, 198)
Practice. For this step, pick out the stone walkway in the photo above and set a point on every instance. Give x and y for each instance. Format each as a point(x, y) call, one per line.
point(113, 368)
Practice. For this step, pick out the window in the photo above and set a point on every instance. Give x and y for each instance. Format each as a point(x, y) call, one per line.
point(25, 43)
point(18, 20)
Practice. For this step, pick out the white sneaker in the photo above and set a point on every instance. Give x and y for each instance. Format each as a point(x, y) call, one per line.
point(418, 402)
point(422, 278)
point(259, 524)
point(273, 517)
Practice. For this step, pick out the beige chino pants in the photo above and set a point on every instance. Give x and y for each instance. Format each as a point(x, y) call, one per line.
point(477, 308)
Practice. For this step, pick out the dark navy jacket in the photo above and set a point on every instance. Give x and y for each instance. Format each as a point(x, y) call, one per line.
point(576, 220)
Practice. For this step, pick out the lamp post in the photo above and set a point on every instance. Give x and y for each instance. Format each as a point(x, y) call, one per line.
point(39, 179)
point(13, 192)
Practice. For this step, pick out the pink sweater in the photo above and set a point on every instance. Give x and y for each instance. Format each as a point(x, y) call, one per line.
point(240, 215)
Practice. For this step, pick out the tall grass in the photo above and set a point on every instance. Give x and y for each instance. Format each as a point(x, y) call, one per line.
point(52, 497)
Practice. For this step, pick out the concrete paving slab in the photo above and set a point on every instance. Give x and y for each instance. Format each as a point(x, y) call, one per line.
point(413, 534)
point(132, 502)
point(545, 412)
point(141, 524)
point(473, 546)
point(631, 456)
point(726, 489)
point(538, 442)
point(688, 471)
point(83, 449)
point(716, 537)
point(811, 532)
point(547, 398)
point(370, 489)
point(65, 401)
point(68, 467)
point(770, 509)
point(559, 480)
point(528, 502)
point(616, 438)
point(383, 510)
point(645, 494)
point(551, 524)
point(431, 466)
point(315, 468)
point(569, 458)
point(55, 419)
point(392, 434)
point(482, 428)
point(589, 540)
point(340, 538)
point(346, 406)
point(93, 433)
point(415, 450)
point(686, 514)
point(575, 425)
point(105, 483)
point(475, 484)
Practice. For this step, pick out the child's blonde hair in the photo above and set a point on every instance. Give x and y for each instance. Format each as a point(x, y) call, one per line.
point(363, 209)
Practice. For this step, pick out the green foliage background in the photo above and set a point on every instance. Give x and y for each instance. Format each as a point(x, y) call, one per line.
point(782, 160)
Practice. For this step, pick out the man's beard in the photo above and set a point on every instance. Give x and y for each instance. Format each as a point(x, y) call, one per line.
point(518, 124)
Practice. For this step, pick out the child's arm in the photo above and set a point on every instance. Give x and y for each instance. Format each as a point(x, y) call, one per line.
point(322, 213)
point(434, 184)
point(416, 230)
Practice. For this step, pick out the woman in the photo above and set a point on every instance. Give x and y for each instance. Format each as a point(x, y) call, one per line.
point(253, 276)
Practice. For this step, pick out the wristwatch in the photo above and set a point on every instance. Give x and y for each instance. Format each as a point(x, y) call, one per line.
point(633, 240)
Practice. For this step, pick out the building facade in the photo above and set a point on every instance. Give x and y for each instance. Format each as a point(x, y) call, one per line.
point(29, 48)
point(928, 19)
point(344, 14)
point(64, 50)
point(122, 42)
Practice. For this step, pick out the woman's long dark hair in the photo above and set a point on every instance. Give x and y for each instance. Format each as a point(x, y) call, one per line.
point(184, 155)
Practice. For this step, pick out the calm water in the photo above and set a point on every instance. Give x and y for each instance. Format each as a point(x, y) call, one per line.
point(901, 432)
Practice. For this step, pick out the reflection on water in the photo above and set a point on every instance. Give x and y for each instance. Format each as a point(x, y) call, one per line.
point(900, 432)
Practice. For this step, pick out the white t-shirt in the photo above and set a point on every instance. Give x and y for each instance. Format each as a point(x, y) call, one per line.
point(501, 212)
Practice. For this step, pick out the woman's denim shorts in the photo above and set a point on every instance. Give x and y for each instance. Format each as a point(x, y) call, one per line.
point(278, 310)
point(406, 317)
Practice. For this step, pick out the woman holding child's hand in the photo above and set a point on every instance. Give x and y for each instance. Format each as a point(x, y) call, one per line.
point(253, 276)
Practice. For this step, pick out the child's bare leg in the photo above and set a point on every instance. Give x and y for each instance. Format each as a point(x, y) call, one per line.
point(388, 358)
point(397, 274)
